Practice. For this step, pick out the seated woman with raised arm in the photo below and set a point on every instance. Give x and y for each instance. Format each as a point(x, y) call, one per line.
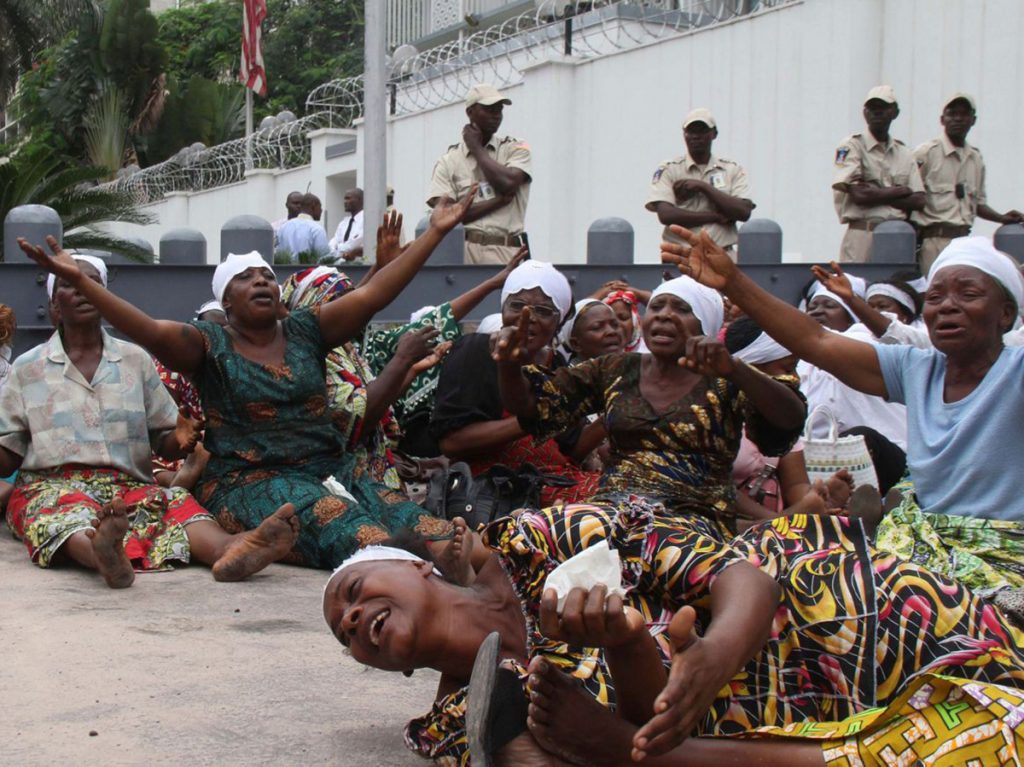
point(413, 409)
point(81, 416)
point(797, 637)
point(964, 398)
point(469, 420)
point(262, 382)
point(674, 414)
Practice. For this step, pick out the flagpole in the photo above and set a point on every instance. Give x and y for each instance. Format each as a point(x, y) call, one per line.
point(375, 160)
point(248, 129)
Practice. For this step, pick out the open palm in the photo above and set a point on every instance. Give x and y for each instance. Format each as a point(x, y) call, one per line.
point(60, 264)
point(448, 214)
point(701, 258)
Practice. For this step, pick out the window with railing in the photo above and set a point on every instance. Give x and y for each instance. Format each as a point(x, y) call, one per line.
point(410, 20)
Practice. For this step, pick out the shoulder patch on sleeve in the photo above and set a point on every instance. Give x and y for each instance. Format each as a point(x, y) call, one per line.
point(657, 174)
point(841, 154)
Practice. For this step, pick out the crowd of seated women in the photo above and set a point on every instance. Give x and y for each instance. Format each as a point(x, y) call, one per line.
point(826, 620)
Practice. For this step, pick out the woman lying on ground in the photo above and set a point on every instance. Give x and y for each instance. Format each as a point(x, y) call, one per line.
point(803, 634)
point(81, 416)
point(262, 381)
point(469, 420)
point(767, 486)
point(674, 428)
point(413, 409)
point(964, 517)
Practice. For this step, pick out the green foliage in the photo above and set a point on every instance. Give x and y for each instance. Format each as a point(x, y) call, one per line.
point(39, 176)
point(305, 43)
point(106, 130)
point(130, 54)
point(199, 110)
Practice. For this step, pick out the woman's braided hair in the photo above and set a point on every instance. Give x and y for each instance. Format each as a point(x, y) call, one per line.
point(8, 324)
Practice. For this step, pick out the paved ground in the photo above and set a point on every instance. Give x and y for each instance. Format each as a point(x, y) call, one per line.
point(182, 670)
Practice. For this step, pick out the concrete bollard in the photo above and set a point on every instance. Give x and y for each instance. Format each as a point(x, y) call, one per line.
point(244, 234)
point(34, 223)
point(183, 246)
point(451, 250)
point(1009, 238)
point(118, 259)
point(610, 241)
point(894, 242)
point(760, 242)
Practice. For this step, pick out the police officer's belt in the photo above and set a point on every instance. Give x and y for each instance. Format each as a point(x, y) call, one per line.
point(481, 238)
point(944, 230)
point(868, 225)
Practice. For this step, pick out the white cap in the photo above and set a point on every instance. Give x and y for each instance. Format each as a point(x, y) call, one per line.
point(959, 96)
point(700, 115)
point(485, 94)
point(882, 93)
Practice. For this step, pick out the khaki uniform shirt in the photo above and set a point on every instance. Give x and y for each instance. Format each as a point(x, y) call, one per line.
point(457, 170)
point(942, 167)
point(861, 157)
point(724, 175)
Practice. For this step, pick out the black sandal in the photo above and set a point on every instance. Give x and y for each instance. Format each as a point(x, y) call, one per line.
point(496, 706)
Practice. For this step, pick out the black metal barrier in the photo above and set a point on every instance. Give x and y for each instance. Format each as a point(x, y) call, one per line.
point(175, 292)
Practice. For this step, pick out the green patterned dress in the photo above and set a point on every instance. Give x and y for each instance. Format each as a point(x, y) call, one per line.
point(271, 441)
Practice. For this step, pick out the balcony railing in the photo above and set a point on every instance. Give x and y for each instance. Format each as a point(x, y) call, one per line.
point(411, 20)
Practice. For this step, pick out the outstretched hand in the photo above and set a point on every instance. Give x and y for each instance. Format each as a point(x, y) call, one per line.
point(389, 235)
point(510, 348)
point(187, 432)
point(521, 255)
point(701, 258)
point(707, 356)
point(447, 215)
point(60, 264)
point(433, 358)
point(836, 280)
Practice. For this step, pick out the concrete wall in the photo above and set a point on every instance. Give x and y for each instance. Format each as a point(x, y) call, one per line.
point(786, 86)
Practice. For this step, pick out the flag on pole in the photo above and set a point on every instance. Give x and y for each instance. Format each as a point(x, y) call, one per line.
point(252, 73)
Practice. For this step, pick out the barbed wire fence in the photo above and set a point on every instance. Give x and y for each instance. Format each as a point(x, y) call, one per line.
point(498, 54)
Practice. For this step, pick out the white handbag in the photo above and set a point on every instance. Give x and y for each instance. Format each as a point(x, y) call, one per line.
point(824, 457)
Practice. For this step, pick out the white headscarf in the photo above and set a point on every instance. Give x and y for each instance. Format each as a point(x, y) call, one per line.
point(762, 350)
point(891, 291)
point(538, 274)
point(233, 266)
point(377, 554)
point(98, 263)
point(706, 303)
point(566, 333)
point(490, 324)
point(821, 290)
point(209, 306)
point(980, 253)
point(420, 313)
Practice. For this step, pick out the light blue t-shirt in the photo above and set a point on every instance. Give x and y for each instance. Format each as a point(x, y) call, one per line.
point(964, 457)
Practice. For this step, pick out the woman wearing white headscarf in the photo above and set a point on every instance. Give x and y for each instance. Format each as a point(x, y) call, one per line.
point(469, 420)
point(964, 398)
point(674, 414)
point(261, 378)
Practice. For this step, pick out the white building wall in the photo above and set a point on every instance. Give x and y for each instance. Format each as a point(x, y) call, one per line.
point(785, 85)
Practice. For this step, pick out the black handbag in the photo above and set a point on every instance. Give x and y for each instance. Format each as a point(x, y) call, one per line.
point(494, 494)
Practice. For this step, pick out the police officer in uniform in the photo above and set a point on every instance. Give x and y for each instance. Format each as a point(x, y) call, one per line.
point(501, 165)
point(875, 177)
point(699, 190)
point(954, 183)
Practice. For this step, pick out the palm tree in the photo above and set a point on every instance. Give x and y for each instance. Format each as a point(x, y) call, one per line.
point(28, 26)
point(39, 176)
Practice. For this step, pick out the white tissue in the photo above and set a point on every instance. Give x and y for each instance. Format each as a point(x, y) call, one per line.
point(597, 565)
point(334, 487)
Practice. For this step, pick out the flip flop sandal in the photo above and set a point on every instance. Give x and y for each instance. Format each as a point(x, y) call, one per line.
point(496, 706)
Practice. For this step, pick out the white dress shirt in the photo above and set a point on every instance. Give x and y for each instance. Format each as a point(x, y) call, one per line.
point(341, 245)
point(302, 234)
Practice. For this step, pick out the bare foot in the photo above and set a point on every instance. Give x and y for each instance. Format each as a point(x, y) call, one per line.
point(840, 488)
point(866, 505)
point(455, 559)
point(812, 503)
point(107, 536)
point(250, 552)
point(564, 719)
